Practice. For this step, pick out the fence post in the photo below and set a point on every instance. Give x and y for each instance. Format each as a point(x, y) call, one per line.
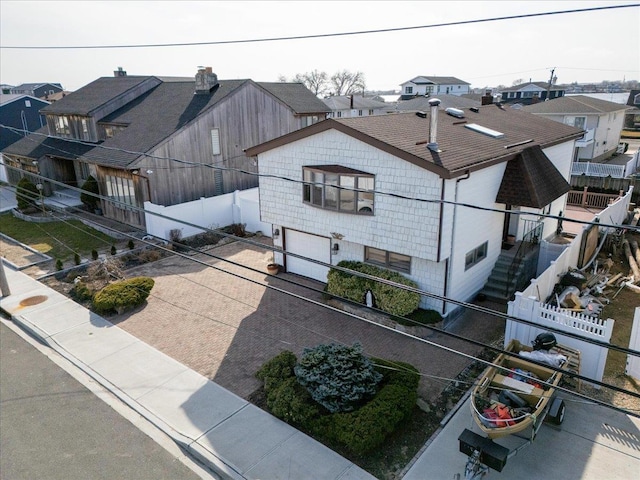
point(584, 197)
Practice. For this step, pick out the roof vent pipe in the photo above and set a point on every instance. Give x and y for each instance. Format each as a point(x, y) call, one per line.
point(433, 125)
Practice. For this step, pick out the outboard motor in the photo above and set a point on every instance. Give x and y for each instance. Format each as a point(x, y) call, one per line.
point(545, 341)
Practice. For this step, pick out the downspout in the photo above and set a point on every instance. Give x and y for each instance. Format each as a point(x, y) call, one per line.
point(453, 238)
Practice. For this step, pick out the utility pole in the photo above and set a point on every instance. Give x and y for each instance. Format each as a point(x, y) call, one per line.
point(4, 285)
point(549, 85)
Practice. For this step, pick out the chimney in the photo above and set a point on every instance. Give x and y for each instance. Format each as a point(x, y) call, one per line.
point(119, 73)
point(487, 98)
point(433, 125)
point(351, 102)
point(206, 81)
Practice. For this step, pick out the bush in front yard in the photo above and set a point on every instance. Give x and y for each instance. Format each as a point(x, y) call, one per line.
point(338, 377)
point(81, 292)
point(26, 194)
point(89, 193)
point(390, 299)
point(124, 295)
point(361, 430)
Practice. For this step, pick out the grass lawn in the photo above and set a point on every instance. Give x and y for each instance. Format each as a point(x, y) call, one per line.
point(60, 240)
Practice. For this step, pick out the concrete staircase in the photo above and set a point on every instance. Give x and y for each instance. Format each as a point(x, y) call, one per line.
point(499, 288)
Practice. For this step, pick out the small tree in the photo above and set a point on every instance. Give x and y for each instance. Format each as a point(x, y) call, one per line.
point(58, 264)
point(76, 259)
point(113, 250)
point(26, 194)
point(130, 244)
point(89, 192)
point(94, 254)
point(338, 377)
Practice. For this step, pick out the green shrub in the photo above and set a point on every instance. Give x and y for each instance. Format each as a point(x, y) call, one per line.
point(89, 191)
point(393, 300)
point(81, 292)
point(124, 295)
point(113, 250)
point(338, 377)
point(276, 370)
point(76, 259)
point(94, 254)
point(130, 244)
point(291, 402)
point(58, 264)
point(26, 194)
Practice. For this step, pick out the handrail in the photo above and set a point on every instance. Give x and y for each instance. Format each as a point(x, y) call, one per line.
point(529, 240)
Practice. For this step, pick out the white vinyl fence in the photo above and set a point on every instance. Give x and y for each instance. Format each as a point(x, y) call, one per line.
point(241, 206)
point(530, 303)
point(633, 362)
point(597, 170)
point(593, 357)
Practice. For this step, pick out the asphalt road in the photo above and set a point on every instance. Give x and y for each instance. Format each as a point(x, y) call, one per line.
point(52, 427)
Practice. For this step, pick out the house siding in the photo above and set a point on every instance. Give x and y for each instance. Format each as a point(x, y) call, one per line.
point(240, 127)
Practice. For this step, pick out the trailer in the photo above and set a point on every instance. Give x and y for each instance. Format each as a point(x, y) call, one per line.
point(514, 397)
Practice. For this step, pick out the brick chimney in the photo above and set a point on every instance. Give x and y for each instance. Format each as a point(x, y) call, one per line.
point(206, 81)
point(487, 98)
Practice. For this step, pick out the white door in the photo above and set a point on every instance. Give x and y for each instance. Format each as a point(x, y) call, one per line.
point(309, 246)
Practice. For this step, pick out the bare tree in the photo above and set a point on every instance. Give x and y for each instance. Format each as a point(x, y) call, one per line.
point(317, 82)
point(347, 83)
point(517, 81)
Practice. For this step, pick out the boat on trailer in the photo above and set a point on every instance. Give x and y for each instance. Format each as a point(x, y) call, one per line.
point(515, 396)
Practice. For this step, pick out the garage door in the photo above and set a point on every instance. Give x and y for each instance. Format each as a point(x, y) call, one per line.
point(310, 246)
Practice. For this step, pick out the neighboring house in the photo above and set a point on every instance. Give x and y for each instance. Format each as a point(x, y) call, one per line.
point(360, 182)
point(163, 140)
point(531, 92)
point(601, 120)
point(426, 85)
point(38, 90)
point(5, 89)
point(632, 116)
point(421, 103)
point(346, 106)
point(20, 112)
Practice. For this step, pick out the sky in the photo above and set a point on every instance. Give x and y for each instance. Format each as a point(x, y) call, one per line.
point(581, 47)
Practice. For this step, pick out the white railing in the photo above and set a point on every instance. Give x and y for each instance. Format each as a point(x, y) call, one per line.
point(632, 165)
point(598, 170)
point(587, 138)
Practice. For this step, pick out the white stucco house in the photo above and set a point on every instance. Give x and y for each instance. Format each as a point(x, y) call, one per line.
point(396, 191)
point(601, 120)
point(428, 85)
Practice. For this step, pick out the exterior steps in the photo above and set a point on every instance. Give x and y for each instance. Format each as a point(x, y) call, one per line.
point(498, 287)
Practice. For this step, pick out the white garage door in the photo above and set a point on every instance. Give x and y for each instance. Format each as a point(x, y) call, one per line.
point(310, 246)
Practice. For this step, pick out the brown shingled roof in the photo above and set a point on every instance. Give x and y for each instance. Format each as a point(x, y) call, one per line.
point(406, 135)
point(531, 180)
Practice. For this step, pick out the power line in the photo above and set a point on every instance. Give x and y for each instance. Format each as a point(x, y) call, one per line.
point(322, 35)
point(409, 335)
point(293, 180)
point(367, 276)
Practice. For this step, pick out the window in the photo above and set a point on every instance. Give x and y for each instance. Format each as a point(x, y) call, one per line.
point(511, 95)
point(371, 111)
point(475, 256)
point(333, 187)
point(408, 90)
point(310, 120)
point(62, 126)
point(121, 190)
point(27, 103)
point(85, 129)
point(359, 113)
point(339, 114)
point(578, 122)
point(215, 141)
point(391, 260)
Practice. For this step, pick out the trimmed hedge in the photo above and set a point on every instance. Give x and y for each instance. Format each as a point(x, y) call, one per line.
point(359, 431)
point(124, 295)
point(26, 194)
point(390, 299)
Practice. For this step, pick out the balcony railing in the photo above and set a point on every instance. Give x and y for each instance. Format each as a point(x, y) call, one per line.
point(597, 170)
point(585, 198)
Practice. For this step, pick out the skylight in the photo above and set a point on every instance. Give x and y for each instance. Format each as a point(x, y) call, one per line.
point(486, 131)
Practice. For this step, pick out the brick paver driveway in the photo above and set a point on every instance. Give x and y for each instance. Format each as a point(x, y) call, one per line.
point(225, 327)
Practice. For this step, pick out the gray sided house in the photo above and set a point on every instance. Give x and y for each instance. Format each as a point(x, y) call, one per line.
point(531, 92)
point(38, 90)
point(22, 114)
point(163, 140)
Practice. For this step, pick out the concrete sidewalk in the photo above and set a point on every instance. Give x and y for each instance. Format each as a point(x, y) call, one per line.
point(233, 437)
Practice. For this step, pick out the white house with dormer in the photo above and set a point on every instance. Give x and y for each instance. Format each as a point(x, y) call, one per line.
point(395, 191)
point(427, 85)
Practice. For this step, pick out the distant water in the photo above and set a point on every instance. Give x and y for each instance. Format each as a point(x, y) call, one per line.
point(609, 97)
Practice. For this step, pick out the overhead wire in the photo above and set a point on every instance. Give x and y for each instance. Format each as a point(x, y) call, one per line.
point(573, 375)
point(321, 35)
point(442, 298)
point(437, 201)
